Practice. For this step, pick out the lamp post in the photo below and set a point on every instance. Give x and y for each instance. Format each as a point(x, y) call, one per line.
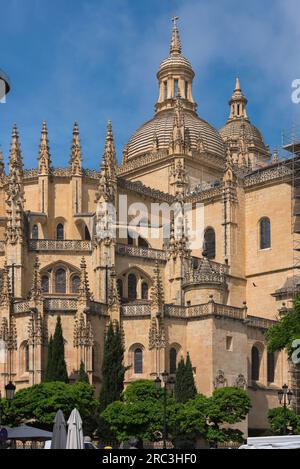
point(168, 382)
point(285, 396)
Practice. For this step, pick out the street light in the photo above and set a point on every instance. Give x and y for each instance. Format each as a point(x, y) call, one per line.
point(285, 396)
point(10, 389)
point(169, 382)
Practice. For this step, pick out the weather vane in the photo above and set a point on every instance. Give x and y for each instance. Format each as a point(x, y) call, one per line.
point(174, 19)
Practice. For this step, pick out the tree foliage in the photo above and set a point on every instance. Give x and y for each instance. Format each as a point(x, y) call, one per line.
point(82, 376)
point(185, 383)
point(282, 335)
point(39, 404)
point(281, 419)
point(140, 414)
point(56, 366)
point(113, 369)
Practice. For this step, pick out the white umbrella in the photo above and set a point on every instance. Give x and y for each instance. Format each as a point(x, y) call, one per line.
point(75, 433)
point(59, 437)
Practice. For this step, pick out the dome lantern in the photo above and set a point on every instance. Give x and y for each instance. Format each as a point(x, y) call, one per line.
point(175, 76)
point(238, 103)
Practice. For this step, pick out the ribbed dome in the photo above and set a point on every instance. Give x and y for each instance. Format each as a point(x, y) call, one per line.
point(233, 130)
point(175, 61)
point(161, 127)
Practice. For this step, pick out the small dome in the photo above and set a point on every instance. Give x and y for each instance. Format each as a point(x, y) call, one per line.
point(233, 130)
point(161, 127)
point(175, 61)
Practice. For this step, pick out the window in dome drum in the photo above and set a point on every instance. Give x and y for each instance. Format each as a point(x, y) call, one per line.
point(165, 90)
point(186, 92)
point(175, 88)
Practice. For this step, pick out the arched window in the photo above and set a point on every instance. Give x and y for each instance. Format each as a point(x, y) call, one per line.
point(60, 234)
point(142, 243)
point(145, 291)
point(173, 360)
point(165, 90)
point(265, 233)
point(129, 239)
point(271, 367)
point(255, 364)
point(175, 88)
point(138, 361)
point(35, 232)
point(26, 352)
point(75, 284)
point(132, 284)
point(60, 281)
point(45, 283)
point(87, 235)
point(210, 243)
point(120, 288)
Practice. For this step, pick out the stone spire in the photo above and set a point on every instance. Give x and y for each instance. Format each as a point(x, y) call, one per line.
point(15, 160)
point(110, 152)
point(76, 155)
point(5, 295)
point(238, 103)
point(1, 163)
point(157, 292)
point(84, 289)
point(175, 46)
point(36, 289)
point(44, 157)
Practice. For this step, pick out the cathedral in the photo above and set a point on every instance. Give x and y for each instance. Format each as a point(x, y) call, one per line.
point(213, 300)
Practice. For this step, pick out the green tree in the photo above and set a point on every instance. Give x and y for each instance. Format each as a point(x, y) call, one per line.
point(39, 404)
point(56, 363)
point(185, 383)
point(281, 419)
point(49, 370)
point(113, 369)
point(82, 376)
point(282, 334)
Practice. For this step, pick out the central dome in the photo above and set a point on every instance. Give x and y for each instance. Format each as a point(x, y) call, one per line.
point(159, 129)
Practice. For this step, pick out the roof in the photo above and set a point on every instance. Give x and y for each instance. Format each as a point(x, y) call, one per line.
point(161, 127)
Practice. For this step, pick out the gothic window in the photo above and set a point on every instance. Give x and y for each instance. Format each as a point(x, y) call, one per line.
point(35, 232)
point(26, 351)
point(138, 361)
point(265, 233)
point(87, 235)
point(132, 284)
point(145, 291)
point(175, 88)
point(60, 235)
point(271, 367)
point(45, 283)
point(173, 361)
point(165, 90)
point(129, 239)
point(255, 365)
point(75, 284)
point(142, 243)
point(60, 281)
point(120, 288)
point(210, 243)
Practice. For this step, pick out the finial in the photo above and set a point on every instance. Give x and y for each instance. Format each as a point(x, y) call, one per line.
point(76, 155)
point(175, 46)
point(237, 84)
point(44, 157)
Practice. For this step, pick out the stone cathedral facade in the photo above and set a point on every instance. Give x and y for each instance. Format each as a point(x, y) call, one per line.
point(213, 301)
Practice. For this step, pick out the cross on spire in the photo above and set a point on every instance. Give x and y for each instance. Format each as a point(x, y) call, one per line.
point(175, 46)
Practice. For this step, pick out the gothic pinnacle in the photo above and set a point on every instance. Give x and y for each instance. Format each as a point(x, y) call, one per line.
point(44, 157)
point(76, 155)
point(15, 160)
point(175, 46)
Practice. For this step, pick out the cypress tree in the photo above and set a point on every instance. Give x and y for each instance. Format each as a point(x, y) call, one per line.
point(82, 376)
point(185, 383)
point(59, 367)
point(113, 370)
point(49, 370)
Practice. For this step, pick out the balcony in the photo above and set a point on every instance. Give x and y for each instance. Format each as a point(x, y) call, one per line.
point(65, 245)
point(146, 253)
point(136, 310)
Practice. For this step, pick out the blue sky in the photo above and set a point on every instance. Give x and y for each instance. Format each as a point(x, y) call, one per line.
point(94, 60)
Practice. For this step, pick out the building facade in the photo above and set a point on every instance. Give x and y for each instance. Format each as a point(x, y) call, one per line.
point(213, 300)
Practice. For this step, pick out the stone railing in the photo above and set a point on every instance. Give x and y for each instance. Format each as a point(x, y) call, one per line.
point(2, 246)
point(268, 174)
point(136, 310)
point(212, 272)
point(148, 253)
point(260, 323)
point(22, 307)
point(60, 304)
point(54, 245)
point(207, 309)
